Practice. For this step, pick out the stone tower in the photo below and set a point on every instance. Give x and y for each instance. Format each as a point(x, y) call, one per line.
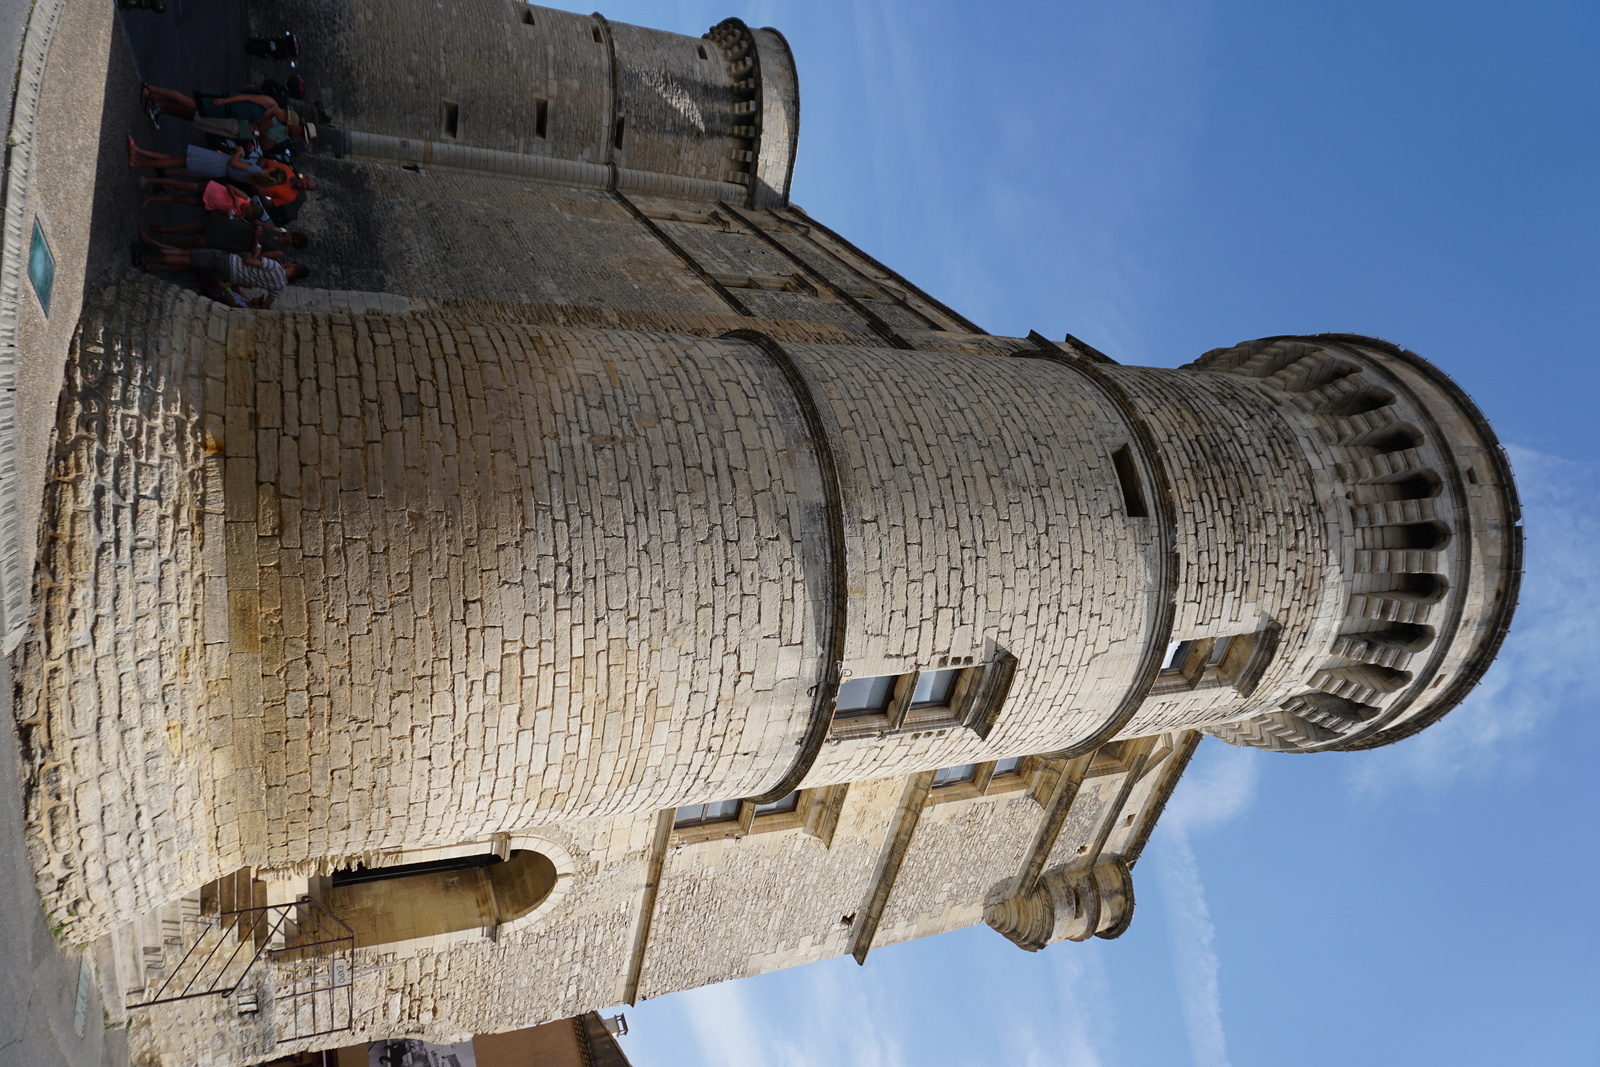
point(615, 554)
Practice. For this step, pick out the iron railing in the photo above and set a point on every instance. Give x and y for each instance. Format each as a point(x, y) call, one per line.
point(307, 946)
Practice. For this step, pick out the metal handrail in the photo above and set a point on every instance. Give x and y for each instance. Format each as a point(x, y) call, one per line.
point(277, 917)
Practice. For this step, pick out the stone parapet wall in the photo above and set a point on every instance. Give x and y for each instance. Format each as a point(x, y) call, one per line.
point(440, 234)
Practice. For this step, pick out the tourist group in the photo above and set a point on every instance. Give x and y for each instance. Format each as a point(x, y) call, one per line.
point(242, 183)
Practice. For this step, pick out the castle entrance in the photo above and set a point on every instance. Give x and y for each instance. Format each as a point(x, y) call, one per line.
point(413, 900)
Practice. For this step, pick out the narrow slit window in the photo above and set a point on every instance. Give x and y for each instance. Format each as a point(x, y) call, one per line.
point(452, 119)
point(616, 138)
point(41, 267)
point(541, 118)
point(527, 16)
point(702, 50)
point(1132, 486)
point(596, 31)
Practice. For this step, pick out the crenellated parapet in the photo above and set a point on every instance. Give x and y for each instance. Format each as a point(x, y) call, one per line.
point(1433, 558)
point(766, 109)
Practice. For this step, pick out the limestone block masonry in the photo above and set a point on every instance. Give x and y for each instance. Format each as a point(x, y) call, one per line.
point(572, 564)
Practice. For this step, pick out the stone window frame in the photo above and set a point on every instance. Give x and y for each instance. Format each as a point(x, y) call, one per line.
point(986, 783)
point(1241, 665)
point(974, 702)
point(816, 812)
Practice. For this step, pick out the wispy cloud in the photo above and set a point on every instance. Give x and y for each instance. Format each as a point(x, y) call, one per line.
point(1545, 668)
point(736, 1024)
point(1219, 786)
point(856, 1036)
point(1195, 965)
point(1084, 1014)
point(724, 1027)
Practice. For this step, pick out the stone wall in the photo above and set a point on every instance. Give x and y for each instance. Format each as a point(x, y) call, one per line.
point(970, 531)
point(535, 81)
point(467, 576)
point(118, 682)
point(1260, 533)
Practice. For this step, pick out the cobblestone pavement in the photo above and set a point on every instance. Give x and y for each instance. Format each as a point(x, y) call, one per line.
point(44, 1018)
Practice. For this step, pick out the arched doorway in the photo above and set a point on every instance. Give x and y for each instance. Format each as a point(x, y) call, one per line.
point(412, 900)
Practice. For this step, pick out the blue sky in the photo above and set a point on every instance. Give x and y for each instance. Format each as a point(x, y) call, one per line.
point(1161, 177)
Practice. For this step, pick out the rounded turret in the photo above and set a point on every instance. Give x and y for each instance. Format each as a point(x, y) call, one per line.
point(1432, 558)
point(472, 83)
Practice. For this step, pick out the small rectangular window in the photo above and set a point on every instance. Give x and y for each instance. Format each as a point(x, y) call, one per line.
point(1219, 648)
point(864, 696)
point(527, 16)
point(1201, 662)
point(1132, 487)
point(779, 806)
point(452, 119)
point(701, 814)
point(811, 811)
point(541, 118)
point(597, 38)
point(969, 781)
point(945, 776)
point(933, 688)
point(954, 695)
point(616, 138)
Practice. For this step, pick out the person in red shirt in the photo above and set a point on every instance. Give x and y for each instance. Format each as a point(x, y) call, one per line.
point(285, 185)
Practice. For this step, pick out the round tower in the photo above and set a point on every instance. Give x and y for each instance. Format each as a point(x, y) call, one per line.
point(405, 580)
point(1433, 551)
point(499, 84)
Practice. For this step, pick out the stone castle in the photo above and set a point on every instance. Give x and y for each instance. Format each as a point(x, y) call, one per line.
point(614, 581)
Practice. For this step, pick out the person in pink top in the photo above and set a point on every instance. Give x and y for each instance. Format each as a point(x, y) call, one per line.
point(213, 196)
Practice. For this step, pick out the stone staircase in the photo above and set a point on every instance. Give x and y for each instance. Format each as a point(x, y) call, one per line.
point(184, 945)
point(267, 948)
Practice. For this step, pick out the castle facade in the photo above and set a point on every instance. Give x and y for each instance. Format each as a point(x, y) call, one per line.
point(614, 581)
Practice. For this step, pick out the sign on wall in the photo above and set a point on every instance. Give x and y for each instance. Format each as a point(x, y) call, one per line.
point(404, 1052)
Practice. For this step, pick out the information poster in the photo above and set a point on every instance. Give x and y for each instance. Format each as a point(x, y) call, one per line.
point(404, 1052)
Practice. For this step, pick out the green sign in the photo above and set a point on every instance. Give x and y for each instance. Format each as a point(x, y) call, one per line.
point(41, 267)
